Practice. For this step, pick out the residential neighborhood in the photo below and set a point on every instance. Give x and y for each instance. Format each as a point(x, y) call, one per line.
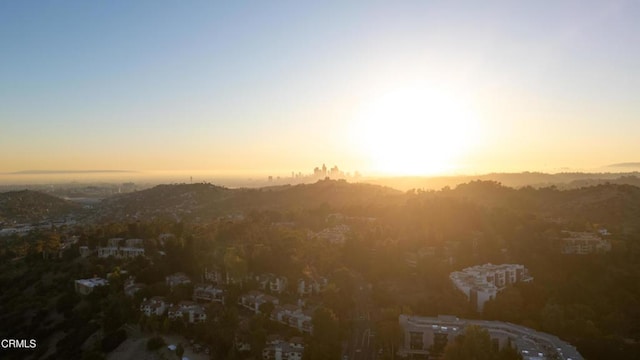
point(262, 285)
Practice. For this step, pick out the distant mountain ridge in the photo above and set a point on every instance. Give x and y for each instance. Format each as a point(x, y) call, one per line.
point(51, 172)
point(516, 180)
point(625, 165)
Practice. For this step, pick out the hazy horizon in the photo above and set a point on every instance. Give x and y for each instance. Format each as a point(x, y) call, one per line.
point(34, 177)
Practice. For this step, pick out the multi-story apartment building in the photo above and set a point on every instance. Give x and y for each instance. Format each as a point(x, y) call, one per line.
point(424, 335)
point(483, 282)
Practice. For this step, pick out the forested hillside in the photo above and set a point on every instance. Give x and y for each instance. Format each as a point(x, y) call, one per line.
point(32, 206)
point(400, 245)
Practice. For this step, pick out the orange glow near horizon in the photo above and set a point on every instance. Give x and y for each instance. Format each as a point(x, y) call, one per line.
point(415, 131)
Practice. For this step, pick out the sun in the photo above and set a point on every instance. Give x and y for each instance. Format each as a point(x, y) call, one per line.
point(414, 131)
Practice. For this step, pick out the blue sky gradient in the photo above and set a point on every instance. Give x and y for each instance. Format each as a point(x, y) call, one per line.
point(272, 86)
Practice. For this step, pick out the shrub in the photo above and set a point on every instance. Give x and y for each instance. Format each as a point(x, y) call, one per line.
point(113, 340)
point(155, 343)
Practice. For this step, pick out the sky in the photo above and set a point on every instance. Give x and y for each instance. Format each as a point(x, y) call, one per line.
point(270, 87)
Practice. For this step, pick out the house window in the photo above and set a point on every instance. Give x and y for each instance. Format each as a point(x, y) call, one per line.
point(415, 340)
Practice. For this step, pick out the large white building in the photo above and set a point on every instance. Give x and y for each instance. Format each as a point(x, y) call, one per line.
point(422, 335)
point(483, 282)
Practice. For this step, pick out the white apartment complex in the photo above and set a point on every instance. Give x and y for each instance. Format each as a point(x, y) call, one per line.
point(483, 282)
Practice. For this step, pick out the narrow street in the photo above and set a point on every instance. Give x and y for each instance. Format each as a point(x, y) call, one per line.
point(361, 344)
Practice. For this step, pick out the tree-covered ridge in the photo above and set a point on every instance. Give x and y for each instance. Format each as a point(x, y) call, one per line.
point(205, 200)
point(336, 193)
point(31, 206)
point(564, 181)
point(614, 204)
point(185, 196)
point(617, 205)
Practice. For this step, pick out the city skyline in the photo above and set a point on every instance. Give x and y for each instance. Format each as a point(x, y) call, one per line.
point(412, 88)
